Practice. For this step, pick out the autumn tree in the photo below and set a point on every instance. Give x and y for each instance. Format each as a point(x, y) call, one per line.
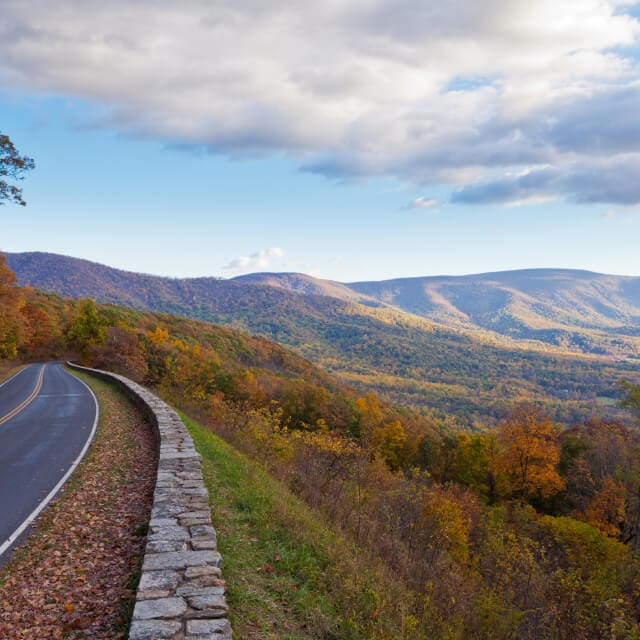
point(122, 352)
point(13, 166)
point(11, 301)
point(370, 416)
point(474, 465)
point(87, 329)
point(384, 435)
point(390, 441)
point(39, 330)
point(446, 523)
point(601, 469)
point(606, 511)
point(530, 452)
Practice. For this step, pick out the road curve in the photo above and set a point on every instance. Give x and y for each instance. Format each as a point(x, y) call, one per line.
point(47, 419)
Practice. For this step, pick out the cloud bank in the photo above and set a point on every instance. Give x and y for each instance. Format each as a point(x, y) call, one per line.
point(503, 101)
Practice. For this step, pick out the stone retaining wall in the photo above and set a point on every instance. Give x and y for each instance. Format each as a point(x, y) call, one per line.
point(181, 591)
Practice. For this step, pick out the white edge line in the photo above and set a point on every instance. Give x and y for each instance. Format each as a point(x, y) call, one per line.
point(52, 494)
point(16, 374)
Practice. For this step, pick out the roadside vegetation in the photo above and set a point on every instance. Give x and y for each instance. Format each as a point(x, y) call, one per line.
point(288, 574)
point(409, 529)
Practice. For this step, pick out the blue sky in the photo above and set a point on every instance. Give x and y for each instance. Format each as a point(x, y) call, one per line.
point(391, 141)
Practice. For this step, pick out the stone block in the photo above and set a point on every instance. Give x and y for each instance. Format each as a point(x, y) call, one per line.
point(162, 546)
point(213, 627)
point(154, 629)
point(191, 589)
point(190, 522)
point(159, 580)
point(198, 572)
point(169, 533)
point(210, 601)
point(180, 560)
point(161, 608)
point(203, 543)
point(162, 522)
point(202, 530)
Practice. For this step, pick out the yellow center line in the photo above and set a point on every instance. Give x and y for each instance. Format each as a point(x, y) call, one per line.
point(25, 403)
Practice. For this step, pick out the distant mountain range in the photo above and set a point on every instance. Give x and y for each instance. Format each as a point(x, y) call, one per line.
point(445, 341)
point(553, 306)
point(578, 311)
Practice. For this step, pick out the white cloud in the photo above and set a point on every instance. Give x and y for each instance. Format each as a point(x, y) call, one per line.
point(258, 260)
point(423, 202)
point(431, 92)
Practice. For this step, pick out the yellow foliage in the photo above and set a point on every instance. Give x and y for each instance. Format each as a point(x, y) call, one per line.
point(390, 440)
point(370, 414)
point(325, 442)
point(447, 523)
point(159, 336)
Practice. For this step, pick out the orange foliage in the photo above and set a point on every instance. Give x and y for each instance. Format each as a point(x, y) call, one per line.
point(11, 302)
point(606, 511)
point(530, 452)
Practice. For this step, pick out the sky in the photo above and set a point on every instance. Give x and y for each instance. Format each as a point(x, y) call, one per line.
point(359, 140)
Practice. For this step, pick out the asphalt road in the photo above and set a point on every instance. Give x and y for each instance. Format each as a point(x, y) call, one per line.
point(47, 418)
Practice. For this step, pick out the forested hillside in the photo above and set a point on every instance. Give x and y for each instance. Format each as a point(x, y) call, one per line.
point(438, 370)
point(523, 531)
point(199, 360)
point(573, 310)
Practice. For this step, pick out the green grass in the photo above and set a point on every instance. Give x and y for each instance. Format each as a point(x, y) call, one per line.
point(288, 575)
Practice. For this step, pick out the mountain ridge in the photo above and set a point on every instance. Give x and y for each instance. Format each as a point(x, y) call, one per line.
point(573, 310)
point(412, 360)
point(526, 304)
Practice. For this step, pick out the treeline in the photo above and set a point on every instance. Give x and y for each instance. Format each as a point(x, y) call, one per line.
point(523, 531)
